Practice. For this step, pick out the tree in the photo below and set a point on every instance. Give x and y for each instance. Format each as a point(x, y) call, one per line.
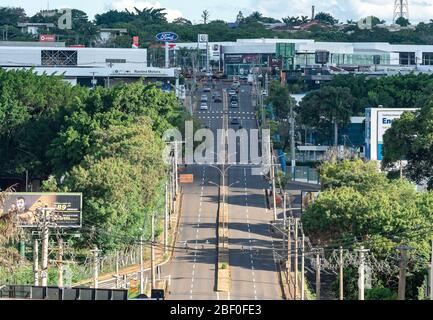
point(113, 17)
point(280, 98)
point(182, 21)
point(402, 21)
point(326, 108)
point(205, 16)
point(326, 18)
point(410, 138)
point(9, 256)
point(374, 212)
point(121, 179)
point(240, 17)
point(11, 16)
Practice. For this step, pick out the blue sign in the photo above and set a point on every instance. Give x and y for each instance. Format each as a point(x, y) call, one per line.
point(166, 36)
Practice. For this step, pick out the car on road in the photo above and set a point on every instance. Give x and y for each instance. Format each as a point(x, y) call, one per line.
point(204, 98)
point(234, 104)
point(264, 92)
point(234, 98)
point(203, 106)
point(235, 121)
point(207, 89)
point(232, 92)
point(217, 99)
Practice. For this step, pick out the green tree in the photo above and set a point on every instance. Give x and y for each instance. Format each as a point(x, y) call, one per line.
point(205, 16)
point(329, 107)
point(402, 21)
point(410, 137)
point(280, 98)
point(120, 178)
point(12, 15)
point(326, 18)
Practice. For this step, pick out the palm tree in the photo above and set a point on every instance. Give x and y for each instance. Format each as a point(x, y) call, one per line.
point(151, 14)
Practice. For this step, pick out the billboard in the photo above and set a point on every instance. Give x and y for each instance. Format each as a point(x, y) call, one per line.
point(377, 122)
point(135, 42)
point(27, 208)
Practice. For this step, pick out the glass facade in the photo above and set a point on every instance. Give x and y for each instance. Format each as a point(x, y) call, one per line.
point(302, 59)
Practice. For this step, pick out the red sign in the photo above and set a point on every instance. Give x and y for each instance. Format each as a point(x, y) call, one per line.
point(135, 42)
point(171, 46)
point(47, 38)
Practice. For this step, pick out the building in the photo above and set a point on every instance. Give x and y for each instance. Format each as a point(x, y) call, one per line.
point(85, 66)
point(377, 122)
point(35, 28)
point(371, 58)
point(107, 34)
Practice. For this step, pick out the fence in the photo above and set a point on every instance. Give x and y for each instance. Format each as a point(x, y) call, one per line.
point(305, 174)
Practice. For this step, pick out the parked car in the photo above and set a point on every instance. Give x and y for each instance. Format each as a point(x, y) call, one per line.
point(264, 92)
point(207, 89)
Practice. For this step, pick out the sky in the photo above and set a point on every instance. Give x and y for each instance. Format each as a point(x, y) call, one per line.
point(420, 10)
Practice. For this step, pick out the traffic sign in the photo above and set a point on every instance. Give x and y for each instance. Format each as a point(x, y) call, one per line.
point(167, 36)
point(186, 178)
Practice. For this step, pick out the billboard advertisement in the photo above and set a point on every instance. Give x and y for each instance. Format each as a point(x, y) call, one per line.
point(384, 122)
point(63, 209)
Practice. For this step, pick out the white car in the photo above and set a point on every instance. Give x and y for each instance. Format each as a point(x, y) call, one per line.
point(204, 106)
point(264, 92)
point(232, 92)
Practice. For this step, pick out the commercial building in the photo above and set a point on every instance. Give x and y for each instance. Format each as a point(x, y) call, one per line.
point(85, 66)
point(375, 58)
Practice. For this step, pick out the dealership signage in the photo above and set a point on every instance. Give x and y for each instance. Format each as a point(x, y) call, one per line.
point(47, 38)
point(29, 210)
point(167, 36)
point(377, 122)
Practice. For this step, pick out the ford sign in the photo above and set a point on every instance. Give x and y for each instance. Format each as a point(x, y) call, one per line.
point(167, 36)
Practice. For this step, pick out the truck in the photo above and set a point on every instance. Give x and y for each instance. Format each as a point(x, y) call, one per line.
point(250, 79)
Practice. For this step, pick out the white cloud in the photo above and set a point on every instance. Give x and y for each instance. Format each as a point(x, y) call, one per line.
point(130, 4)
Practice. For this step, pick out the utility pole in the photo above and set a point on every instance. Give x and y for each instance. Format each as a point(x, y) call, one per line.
point(341, 274)
point(176, 183)
point(402, 273)
point(45, 235)
point(361, 271)
point(36, 262)
point(303, 267)
point(152, 254)
point(292, 140)
point(141, 266)
point(431, 273)
point(60, 264)
point(285, 209)
point(318, 274)
point(273, 183)
point(289, 248)
point(166, 218)
point(95, 267)
point(296, 258)
point(117, 270)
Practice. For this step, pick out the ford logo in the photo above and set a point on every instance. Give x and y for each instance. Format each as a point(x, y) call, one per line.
point(167, 36)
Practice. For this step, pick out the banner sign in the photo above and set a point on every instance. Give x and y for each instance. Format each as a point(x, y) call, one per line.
point(135, 42)
point(47, 38)
point(63, 209)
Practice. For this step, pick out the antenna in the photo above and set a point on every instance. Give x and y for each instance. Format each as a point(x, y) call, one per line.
point(401, 10)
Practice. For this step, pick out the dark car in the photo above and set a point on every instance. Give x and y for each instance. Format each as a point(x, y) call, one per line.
point(217, 99)
point(235, 121)
point(234, 98)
